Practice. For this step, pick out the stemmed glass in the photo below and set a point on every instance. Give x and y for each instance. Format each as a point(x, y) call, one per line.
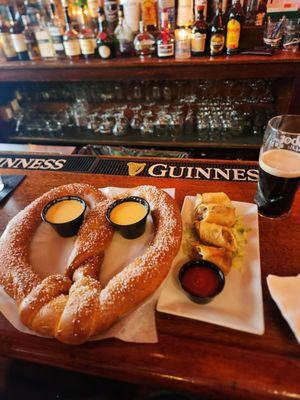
point(162, 123)
point(121, 126)
point(147, 126)
point(107, 123)
point(176, 122)
point(136, 120)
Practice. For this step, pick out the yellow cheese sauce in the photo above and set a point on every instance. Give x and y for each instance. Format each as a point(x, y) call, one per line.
point(64, 211)
point(127, 213)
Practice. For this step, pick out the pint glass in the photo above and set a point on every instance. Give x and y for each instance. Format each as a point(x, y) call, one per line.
point(279, 166)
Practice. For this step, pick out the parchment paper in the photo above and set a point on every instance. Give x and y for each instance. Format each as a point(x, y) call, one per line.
point(49, 254)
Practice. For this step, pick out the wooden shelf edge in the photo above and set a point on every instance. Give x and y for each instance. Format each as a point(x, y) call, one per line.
point(245, 142)
point(280, 64)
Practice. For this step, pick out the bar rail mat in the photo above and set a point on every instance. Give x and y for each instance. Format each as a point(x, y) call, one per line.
point(180, 169)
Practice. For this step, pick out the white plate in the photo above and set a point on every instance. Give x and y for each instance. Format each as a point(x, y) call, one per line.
point(240, 304)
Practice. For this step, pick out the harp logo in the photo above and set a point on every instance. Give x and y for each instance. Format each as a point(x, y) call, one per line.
point(135, 168)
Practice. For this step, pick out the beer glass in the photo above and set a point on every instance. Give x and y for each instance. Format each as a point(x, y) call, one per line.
point(279, 166)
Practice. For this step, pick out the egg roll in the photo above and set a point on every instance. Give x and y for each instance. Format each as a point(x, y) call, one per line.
point(216, 213)
point(215, 235)
point(219, 256)
point(215, 198)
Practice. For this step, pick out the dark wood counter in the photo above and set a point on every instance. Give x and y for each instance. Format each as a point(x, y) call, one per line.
point(197, 357)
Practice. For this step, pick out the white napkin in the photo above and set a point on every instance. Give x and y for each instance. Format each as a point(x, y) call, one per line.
point(49, 254)
point(285, 291)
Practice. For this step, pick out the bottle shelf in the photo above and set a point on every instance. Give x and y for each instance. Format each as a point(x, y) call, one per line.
point(281, 64)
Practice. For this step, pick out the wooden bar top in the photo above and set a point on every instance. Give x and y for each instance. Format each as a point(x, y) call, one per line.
point(192, 356)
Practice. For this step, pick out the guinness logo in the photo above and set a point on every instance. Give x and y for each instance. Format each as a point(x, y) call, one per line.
point(135, 168)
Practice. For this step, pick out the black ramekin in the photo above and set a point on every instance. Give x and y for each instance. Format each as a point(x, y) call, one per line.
point(131, 231)
point(202, 264)
point(65, 229)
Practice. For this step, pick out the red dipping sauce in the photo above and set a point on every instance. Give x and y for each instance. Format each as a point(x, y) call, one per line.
point(200, 281)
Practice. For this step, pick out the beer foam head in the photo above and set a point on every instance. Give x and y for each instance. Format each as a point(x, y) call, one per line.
point(280, 162)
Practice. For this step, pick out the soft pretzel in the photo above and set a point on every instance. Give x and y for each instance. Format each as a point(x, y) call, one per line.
point(74, 307)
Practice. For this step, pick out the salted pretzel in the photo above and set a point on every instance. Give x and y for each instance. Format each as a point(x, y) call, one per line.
point(74, 307)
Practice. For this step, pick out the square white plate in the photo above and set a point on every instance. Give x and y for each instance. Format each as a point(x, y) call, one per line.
point(240, 305)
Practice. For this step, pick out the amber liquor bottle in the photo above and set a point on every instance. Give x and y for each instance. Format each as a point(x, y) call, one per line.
point(6, 42)
point(30, 39)
point(70, 38)
point(199, 34)
point(217, 37)
point(235, 18)
point(16, 31)
point(86, 38)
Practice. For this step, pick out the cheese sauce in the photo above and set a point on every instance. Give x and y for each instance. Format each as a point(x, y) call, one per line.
point(127, 213)
point(64, 211)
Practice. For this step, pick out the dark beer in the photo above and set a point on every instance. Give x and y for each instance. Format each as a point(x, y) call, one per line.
point(279, 172)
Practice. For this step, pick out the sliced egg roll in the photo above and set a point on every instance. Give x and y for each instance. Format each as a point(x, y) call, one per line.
point(216, 235)
point(219, 256)
point(216, 213)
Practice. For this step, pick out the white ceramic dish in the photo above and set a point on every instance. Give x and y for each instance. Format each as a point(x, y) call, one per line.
point(240, 305)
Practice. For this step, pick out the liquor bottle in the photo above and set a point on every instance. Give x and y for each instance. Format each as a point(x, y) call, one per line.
point(6, 42)
point(111, 14)
point(261, 13)
point(200, 3)
point(131, 13)
point(86, 38)
point(149, 15)
point(185, 13)
point(16, 31)
point(105, 42)
point(56, 29)
point(199, 34)
point(251, 11)
point(169, 6)
point(165, 40)
point(144, 42)
point(93, 8)
point(235, 18)
point(217, 38)
point(44, 40)
point(30, 39)
point(70, 38)
point(123, 35)
point(226, 4)
point(32, 8)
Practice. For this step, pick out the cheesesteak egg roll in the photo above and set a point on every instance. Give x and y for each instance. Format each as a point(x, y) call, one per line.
point(215, 235)
point(216, 213)
point(219, 256)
